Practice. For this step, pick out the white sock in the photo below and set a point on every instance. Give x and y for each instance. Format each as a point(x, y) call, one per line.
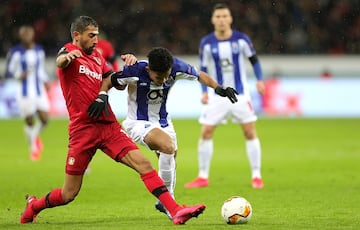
point(38, 128)
point(167, 170)
point(253, 150)
point(205, 149)
point(29, 132)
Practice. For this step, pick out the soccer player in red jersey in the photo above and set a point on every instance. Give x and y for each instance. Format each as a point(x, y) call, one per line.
point(108, 52)
point(81, 71)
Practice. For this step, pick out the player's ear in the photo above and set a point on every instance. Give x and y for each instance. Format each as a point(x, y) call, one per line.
point(76, 35)
point(147, 69)
point(231, 19)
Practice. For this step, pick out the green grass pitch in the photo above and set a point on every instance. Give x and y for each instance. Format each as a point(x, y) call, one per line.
point(311, 170)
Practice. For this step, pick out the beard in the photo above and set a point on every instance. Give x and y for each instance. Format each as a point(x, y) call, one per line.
point(89, 50)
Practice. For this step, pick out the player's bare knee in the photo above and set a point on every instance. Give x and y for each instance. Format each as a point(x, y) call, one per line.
point(168, 148)
point(249, 134)
point(207, 132)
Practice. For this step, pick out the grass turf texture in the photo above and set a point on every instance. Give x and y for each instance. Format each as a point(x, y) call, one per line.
point(310, 169)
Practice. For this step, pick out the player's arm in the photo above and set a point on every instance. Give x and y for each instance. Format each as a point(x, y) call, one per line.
point(206, 80)
point(64, 57)
point(101, 103)
point(228, 92)
point(260, 86)
point(13, 66)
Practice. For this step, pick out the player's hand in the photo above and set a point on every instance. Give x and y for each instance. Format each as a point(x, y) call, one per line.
point(72, 55)
point(204, 98)
point(98, 106)
point(23, 75)
point(227, 92)
point(129, 59)
point(260, 86)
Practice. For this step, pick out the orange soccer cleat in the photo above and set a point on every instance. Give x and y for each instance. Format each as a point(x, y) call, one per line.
point(257, 182)
point(198, 183)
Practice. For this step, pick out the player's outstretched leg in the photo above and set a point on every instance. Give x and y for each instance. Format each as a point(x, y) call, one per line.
point(34, 206)
point(180, 214)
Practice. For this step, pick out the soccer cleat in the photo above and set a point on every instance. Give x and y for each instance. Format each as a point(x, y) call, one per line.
point(257, 182)
point(28, 215)
point(198, 183)
point(39, 144)
point(35, 155)
point(160, 207)
point(186, 213)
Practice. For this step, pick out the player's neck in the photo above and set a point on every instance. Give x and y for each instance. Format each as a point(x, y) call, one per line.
point(29, 45)
point(223, 34)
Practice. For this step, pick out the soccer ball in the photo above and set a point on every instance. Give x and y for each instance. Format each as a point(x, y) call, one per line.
point(236, 210)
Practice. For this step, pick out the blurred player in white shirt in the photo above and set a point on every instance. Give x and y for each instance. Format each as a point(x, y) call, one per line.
point(25, 63)
point(222, 56)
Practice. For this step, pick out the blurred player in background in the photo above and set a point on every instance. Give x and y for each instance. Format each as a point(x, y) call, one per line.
point(107, 50)
point(26, 63)
point(147, 120)
point(222, 55)
point(82, 70)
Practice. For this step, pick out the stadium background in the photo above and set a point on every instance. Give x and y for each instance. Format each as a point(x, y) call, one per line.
point(310, 165)
point(298, 43)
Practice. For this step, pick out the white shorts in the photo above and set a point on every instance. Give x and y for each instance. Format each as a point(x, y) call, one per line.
point(29, 105)
point(219, 109)
point(138, 129)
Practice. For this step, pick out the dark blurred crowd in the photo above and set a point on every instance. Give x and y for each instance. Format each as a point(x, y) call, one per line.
point(275, 26)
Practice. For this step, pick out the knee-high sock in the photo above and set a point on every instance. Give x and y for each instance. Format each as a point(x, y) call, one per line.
point(253, 150)
point(156, 186)
point(30, 136)
point(50, 200)
point(167, 170)
point(39, 126)
point(205, 152)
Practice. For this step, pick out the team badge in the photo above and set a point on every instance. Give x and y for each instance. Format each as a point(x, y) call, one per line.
point(235, 47)
point(97, 60)
point(71, 161)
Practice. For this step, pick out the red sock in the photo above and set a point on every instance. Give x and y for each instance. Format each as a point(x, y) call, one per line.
point(52, 199)
point(157, 187)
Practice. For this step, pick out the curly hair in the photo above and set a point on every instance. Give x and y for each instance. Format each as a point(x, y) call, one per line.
point(160, 59)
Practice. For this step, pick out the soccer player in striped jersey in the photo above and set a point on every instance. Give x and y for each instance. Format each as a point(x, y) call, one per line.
point(222, 55)
point(147, 121)
point(25, 63)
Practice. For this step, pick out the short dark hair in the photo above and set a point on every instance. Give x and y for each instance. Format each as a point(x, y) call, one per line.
point(80, 24)
point(220, 6)
point(160, 59)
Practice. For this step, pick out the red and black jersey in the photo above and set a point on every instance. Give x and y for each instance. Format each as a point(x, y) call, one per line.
point(80, 84)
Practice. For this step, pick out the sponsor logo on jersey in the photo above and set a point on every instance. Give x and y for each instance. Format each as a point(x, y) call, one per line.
point(83, 69)
point(155, 97)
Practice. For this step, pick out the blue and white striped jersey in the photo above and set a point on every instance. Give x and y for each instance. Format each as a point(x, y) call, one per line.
point(223, 60)
point(147, 101)
point(32, 61)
